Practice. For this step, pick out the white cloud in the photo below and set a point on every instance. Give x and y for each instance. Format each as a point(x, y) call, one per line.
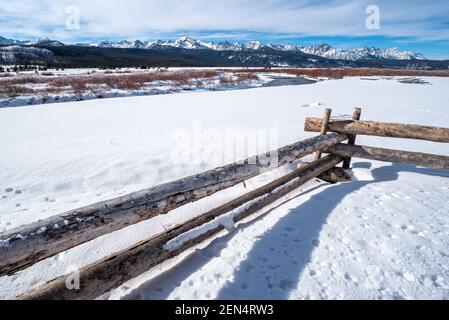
point(147, 19)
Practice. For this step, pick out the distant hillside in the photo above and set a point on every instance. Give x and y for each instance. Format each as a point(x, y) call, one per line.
point(178, 57)
point(167, 56)
point(25, 55)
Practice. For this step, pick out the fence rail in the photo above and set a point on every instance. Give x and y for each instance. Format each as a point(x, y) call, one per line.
point(112, 271)
point(28, 244)
point(43, 239)
point(390, 155)
point(381, 129)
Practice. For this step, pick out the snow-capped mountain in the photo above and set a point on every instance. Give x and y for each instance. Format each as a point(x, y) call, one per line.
point(188, 43)
point(254, 45)
point(391, 53)
point(124, 44)
point(38, 42)
point(323, 50)
point(224, 46)
point(9, 42)
point(44, 42)
point(327, 51)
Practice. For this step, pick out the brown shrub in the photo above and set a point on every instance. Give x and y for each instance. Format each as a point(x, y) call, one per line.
point(60, 82)
point(52, 89)
point(224, 80)
point(78, 86)
point(241, 77)
point(338, 73)
point(23, 80)
point(125, 83)
point(13, 91)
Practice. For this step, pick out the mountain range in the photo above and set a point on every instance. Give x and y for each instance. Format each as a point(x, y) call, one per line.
point(44, 42)
point(323, 50)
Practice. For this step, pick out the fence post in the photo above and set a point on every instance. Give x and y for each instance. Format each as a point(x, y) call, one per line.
point(327, 116)
point(351, 138)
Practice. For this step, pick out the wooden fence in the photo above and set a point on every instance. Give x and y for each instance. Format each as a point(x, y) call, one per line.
point(32, 243)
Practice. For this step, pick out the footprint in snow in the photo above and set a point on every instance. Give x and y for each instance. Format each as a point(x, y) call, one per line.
point(437, 281)
point(315, 104)
point(9, 189)
point(408, 276)
point(48, 199)
point(351, 278)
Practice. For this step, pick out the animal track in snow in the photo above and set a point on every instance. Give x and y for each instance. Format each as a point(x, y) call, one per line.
point(48, 199)
point(437, 281)
point(351, 278)
point(408, 276)
point(312, 273)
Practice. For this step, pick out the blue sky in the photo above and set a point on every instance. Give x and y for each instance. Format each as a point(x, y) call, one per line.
point(415, 25)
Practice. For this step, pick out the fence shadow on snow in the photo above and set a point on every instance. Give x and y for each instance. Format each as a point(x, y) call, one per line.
point(279, 256)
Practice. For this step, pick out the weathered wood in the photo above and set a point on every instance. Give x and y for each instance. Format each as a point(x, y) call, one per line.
point(29, 244)
point(390, 155)
point(383, 129)
point(118, 268)
point(351, 138)
point(326, 118)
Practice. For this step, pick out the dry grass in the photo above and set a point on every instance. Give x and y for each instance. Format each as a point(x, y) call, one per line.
point(95, 82)
point(225, 80)
point(12, 91)
point(339, 73)
point(100, 83)
point(133, 81)
point(23, 80)
point(237, 78)
point(241, 77)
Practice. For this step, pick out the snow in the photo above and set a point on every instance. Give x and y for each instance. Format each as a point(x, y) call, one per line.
point(326, 51)
point(323, 50)
point(383, 236)
point(41, 93)
point(226, 220)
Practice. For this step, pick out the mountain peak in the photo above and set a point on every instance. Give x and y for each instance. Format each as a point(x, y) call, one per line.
point(186, 39)
point(325, 46)
point(323, 50)
point(254, 45)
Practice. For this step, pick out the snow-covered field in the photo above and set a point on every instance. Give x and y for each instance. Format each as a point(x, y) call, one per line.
point(383, 236)
point(25, 88)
